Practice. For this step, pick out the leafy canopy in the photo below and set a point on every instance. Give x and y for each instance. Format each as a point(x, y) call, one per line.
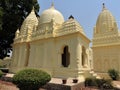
point(1, 14)
point(12, 14)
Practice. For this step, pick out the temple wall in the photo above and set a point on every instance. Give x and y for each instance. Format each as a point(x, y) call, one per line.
point(106, 58)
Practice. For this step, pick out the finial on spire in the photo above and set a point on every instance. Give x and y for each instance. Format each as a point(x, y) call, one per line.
point(52, 5)
point(71, 17)
point(103, 5)
point(33, 9)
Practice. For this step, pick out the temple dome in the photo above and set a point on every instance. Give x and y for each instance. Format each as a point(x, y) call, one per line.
point(50, 14)
point(29, 24)
point(106, 21)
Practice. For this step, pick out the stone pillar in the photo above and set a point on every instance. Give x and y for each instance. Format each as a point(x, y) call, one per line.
point(45, 56)
point(27, 54)
point(86, 58)
point(19, 58)
point(79, 56)
point(31, 56)
point(75, 56)
point(14, 57)
point(58, 56)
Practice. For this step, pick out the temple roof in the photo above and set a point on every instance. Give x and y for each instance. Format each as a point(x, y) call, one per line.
point(29, 22)
point(106, 21)
point(51, 13)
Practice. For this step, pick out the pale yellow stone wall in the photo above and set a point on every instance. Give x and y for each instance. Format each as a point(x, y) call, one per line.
point(46, 54)
point(106, 57)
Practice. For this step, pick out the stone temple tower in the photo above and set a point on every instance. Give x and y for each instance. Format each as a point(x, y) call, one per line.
point(52, 44)
point(106, 43)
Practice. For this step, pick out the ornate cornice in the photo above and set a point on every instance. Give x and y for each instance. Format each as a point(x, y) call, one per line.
point(50, 29)
point(106, 40)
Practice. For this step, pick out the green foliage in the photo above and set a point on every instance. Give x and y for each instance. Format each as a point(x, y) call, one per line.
point(113, 74)
point(14, 13)
point(100, 83)
point(1, 66)
point(31, 79)
point(107, 85)
point(104, 84)
point(1, 14)
point(1, 73)
point(90, 81)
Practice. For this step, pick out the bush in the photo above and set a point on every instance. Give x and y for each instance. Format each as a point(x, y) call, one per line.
point(31, 79)
point(99, 83)
point(104, 84)
point(113, 74)
point(107, 85)
point(1, 73)
point(90, 81)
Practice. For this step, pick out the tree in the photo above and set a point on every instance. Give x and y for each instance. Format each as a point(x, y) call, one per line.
point(31, 79)
point(15, 11)
point(1, 14)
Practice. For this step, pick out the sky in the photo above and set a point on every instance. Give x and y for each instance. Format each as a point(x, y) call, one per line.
point(84, 11)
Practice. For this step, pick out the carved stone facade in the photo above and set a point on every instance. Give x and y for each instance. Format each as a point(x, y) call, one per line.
point(59, 47)
point(106, 43)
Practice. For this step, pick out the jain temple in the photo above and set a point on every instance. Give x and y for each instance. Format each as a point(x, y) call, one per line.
point(62, 48)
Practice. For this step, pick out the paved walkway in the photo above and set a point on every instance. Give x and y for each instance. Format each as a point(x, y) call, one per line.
point(9, 86)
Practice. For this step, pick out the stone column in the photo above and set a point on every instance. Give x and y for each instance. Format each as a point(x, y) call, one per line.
point(14, 57)
point(79, 56)
point(75, 56)
point(31, 56)
point(27, 54)
point(45, 56)
point(19, 57)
